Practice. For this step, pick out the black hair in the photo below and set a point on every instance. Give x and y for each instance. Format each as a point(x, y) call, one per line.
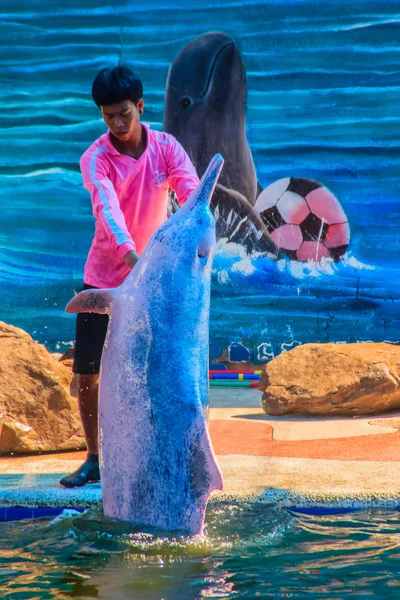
point(111, 86)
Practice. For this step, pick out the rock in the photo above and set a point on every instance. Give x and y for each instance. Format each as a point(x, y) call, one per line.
point(67, 359)
point(37, 411)
point(333, 379)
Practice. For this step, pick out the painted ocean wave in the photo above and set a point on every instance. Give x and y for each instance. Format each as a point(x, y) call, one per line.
point(232, 265)
point(268, 307)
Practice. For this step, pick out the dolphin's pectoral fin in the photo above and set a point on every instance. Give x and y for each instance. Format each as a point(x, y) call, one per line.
point(205, 473)
point(96, 301)
point(199, 477)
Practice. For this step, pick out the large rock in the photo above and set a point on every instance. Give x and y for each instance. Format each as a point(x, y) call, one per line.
point(37, 411)
point(333, 379)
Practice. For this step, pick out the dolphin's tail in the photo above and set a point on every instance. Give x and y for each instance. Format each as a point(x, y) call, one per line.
point(205, 475)
point(215, 482)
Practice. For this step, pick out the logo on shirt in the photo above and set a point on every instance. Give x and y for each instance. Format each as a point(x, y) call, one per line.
point(159, 177)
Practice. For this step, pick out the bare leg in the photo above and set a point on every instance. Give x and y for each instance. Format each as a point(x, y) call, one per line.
point(88, 393)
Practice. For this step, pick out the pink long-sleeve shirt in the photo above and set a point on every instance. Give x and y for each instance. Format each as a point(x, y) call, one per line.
point(130, 199)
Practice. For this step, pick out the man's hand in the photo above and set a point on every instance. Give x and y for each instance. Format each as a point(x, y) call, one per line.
point(131, 258)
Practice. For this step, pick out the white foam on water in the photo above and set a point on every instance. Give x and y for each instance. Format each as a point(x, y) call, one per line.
point(223, 277)
point(238, 259)
point(244, 267)
point(67, 513)
point(325, 266)
point(311, 268)
point(352, 261)
point(232, 259)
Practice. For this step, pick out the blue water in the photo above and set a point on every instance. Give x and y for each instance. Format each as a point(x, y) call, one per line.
point(249, 551)
point(323, 99)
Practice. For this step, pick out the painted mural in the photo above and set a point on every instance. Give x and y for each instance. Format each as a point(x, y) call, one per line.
point(300, 97)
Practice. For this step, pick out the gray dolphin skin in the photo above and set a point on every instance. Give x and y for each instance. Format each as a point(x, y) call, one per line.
point(157, 463)
point(205, 109)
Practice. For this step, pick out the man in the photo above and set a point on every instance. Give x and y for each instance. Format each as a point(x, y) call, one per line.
point(128, 173)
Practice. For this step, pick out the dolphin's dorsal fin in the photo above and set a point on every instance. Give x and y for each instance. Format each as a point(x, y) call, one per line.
point(96, 301)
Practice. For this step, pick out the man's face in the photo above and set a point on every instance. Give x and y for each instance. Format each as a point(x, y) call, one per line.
point(123, 119)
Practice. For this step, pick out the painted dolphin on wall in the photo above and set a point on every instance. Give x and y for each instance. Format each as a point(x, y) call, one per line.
point(157, 464)
point(205, 109)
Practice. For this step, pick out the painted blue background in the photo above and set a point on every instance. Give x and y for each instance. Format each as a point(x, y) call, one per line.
point(323, 103)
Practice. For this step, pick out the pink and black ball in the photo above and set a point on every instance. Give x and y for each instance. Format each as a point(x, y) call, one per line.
point(304, 219)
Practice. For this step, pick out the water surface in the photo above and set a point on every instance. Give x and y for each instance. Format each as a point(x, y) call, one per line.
point(249, 551)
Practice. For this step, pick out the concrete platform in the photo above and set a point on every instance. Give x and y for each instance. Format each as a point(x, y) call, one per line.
point(300, 462)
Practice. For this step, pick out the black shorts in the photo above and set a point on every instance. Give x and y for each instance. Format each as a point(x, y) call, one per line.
point(91, 330)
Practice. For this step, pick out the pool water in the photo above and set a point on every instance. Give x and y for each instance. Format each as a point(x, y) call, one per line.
point(250, 550)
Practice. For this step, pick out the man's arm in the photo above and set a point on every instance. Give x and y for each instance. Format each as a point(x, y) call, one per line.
point(131, 258)
point(182, 177)
point(106, 208)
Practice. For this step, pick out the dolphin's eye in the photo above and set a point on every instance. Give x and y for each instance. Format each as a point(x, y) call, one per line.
point(186, 102)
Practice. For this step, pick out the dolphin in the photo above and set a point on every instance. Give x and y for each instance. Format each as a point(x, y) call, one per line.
point(157, 463)
point(205, 109)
